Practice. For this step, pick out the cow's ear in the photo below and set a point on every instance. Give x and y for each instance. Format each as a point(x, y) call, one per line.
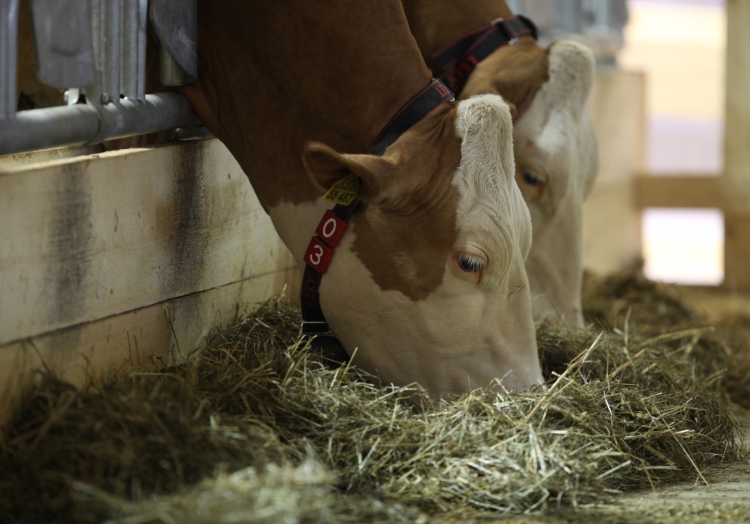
point(327, 166)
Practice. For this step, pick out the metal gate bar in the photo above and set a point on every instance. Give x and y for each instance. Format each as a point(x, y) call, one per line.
point(80, 123)
point(8, 57)
point(116, 105)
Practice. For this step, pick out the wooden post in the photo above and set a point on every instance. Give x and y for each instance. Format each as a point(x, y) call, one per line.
point(737, 146)
point(611, 218)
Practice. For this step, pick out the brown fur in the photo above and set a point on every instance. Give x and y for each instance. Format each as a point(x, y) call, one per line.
point(276, 75)
point(514, 72)
point(404, 239)
point(437, 23)
point(406, 248)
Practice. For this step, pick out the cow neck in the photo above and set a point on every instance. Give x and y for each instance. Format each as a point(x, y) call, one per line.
point(334, 223)
point(274, 76)
point(458, 59)
point(455, 36)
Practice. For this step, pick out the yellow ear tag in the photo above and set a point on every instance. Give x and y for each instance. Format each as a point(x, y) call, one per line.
point(344, 191)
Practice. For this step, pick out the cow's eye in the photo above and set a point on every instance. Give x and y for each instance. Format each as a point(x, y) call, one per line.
point(469, 263)
point(533, 179)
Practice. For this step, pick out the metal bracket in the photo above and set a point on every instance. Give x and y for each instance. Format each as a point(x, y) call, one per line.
point(315, 328)
point(80, 124)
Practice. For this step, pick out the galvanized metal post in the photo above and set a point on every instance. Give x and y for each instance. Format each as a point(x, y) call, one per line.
point(117, 38)
point(111, 11)
point(97, 43)
point(62, 43)
point(142, 24)
point(129, 71)
point(88, 124)
point(170, 72)
point(8, 58)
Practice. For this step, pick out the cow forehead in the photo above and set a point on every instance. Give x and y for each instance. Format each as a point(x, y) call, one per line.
point(485, 127)
point(556, 129)
point(407, 252)
point(565, 95)
point(491, 210)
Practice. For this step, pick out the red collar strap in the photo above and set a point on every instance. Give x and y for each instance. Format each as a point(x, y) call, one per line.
point(334, 223)
point(459, 58)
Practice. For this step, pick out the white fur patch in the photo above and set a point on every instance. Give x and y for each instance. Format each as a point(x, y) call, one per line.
point(491, 207)
point(555, 137)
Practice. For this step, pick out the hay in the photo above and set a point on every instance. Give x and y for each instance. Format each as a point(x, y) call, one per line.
point(652, 307)
point(258, 429)
point(286, 495)
point(629, 301)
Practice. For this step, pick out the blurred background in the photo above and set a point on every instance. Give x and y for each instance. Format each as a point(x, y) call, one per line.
point(658, 107)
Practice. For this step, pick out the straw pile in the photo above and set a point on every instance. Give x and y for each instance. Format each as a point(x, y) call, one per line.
point(630, 301)
point(258, 429)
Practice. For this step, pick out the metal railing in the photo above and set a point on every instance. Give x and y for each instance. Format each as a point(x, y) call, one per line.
point(96, 49)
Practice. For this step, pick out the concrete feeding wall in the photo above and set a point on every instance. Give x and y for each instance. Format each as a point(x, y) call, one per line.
point(119, 257)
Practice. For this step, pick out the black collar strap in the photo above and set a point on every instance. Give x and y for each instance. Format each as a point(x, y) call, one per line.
point(459, 58)
point(432, 96)
point(333, 225)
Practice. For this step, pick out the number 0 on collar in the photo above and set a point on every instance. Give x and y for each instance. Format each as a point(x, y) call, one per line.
point(328, 235)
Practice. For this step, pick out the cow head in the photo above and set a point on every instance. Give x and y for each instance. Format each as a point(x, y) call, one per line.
point(556, 159)
point(428, 284)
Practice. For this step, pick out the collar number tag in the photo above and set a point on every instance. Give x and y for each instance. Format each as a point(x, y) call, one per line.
point(344, 191)
point(331, 228)
point(318, 255)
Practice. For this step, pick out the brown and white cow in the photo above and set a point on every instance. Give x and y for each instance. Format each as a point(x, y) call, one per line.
point(555, 147)
point(429, 281)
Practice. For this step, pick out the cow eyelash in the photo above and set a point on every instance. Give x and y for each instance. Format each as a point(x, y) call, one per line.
point(533, 179)
point(469, 263)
